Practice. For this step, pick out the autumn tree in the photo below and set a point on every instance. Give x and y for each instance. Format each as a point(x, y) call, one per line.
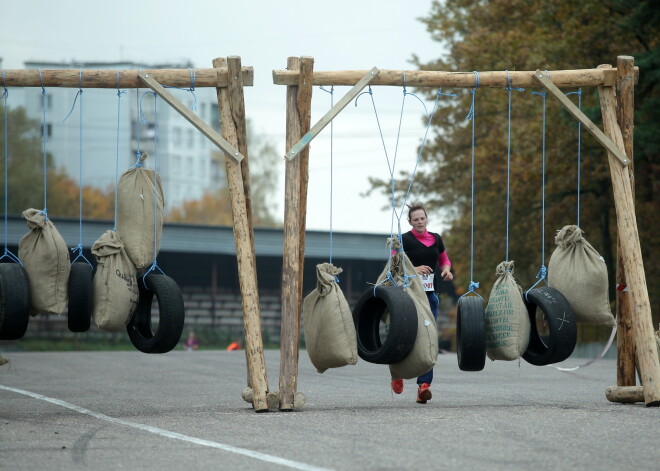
point(528, 35)
point(25, 175)
point(214, 208)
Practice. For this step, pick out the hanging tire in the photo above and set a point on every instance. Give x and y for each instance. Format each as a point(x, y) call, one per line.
point(79, 314)
point(14, 301)
point(402, 332)
point(171, 315)
point(561, 323)
point(471, 333)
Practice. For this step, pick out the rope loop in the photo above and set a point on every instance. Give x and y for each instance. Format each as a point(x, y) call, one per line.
point(10, 255)
point(154, 266)
point(41, 81)
point(473, 91)
point(5, 92)
point(79, 249)
point(368, 92)
point(472, 289)
point(541, 276)
point(508, 87)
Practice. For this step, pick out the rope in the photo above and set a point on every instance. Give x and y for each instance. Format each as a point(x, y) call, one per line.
point(593, 360)
point(154, 265)
point(5, 94)
point(541, 275)
point(471, 116)
point(79, 247)
point(332, 103)
point(579, 151)
point(393, 164)
point(191, 89)
point(43, 140)
point(119, 94)
point(510, 89)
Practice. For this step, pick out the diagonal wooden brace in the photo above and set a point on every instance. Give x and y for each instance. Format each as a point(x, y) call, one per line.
point(580, 116)
point(183, 110)
point(332, 113)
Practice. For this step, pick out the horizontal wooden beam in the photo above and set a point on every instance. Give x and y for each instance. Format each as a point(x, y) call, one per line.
point(334, 111)
point(192, 118)
point(108, 78)
point(594, 130)
point(437, 79)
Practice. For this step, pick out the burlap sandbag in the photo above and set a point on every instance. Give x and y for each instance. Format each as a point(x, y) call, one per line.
point(578, 272)
point(115, 292)
point(3, 360)
point(45, 258)
point(424, 353)
point(657, 340)
point(507, 320)
point(328, 322)
point(135, 214)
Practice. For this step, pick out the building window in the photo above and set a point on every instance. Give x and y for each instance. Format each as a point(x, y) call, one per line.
point(190, 137)
point(177, 136)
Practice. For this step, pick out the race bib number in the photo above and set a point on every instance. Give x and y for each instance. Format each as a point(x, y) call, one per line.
point(427, 281)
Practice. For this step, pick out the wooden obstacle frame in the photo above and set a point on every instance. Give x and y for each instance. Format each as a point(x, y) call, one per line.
point(229, 78)
point(637, 350)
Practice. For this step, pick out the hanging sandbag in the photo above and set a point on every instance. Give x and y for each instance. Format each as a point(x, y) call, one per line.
point(507, 321)
point(114, 290)
point(135, 213)
point(45, 257)
point(578, 271)
point(424, 352)
point(3, 360)
point(328, 322)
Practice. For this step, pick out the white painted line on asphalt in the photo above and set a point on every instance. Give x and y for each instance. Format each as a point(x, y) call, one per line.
point(177, 436)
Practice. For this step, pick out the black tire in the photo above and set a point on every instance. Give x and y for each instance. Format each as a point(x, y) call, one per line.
point(14, 301)
point(562, 327)
point(171, 313)
point(471, 333)
point(402, 333)
point(79, 314)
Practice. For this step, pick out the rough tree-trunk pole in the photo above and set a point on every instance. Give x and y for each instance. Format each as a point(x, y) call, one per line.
point(645, 344)
point(298, 102)
point(625, 371)
point(435, 79)
point(247, 276)
point(305, 116)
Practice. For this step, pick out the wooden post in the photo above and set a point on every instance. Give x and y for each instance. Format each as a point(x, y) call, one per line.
point(647, 350)
point(625, 370)
point(625, 394)
point(247, 276)
point(298, 102)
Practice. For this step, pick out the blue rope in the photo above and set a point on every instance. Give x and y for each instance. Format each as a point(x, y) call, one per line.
point(43, 140)
point(391, 167)
point(509, 88)
point(541, 276)
point(579, 151)
point(332, 103)
point(471, 116)
point(191, 89)
point(154, 265)
point(119, 94)
point(5, 94)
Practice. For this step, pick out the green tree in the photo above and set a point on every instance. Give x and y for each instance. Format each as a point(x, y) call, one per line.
point(528, 35)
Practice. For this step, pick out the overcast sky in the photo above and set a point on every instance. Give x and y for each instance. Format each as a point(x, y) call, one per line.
point(339, 34)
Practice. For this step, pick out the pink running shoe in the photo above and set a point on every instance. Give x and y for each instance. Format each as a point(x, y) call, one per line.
point(424, 393)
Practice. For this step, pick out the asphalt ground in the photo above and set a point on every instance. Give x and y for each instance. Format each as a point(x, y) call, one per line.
point(183, 410)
